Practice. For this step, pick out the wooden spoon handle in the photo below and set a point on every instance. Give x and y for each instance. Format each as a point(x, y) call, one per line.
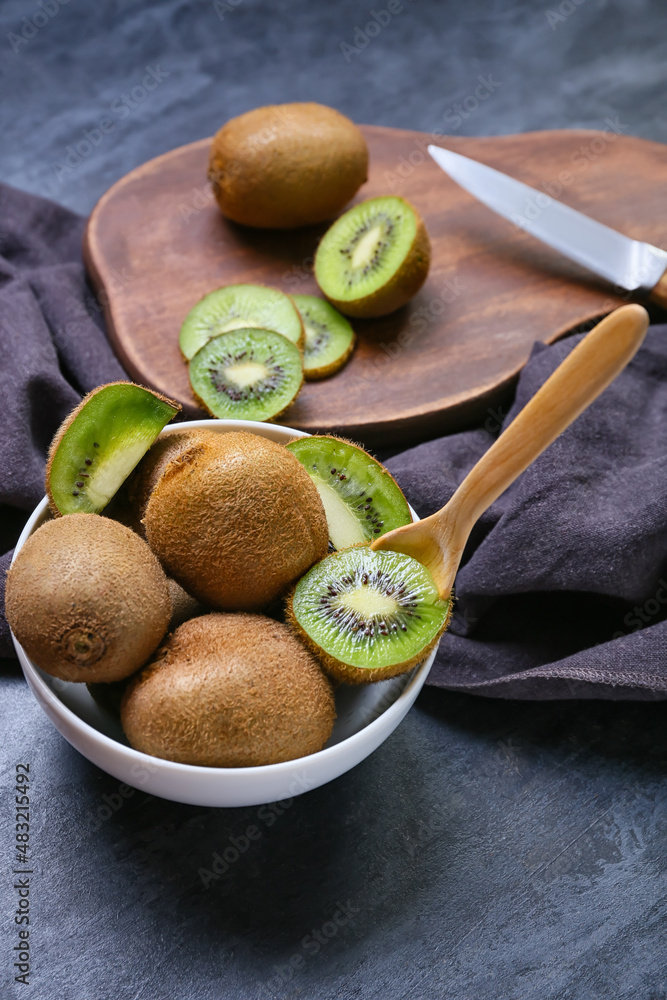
point(438, 540)
point(578, 380)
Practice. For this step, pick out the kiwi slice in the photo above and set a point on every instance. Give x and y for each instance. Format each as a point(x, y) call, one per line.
point(329, 337)
point(368, 615)
point(100, 442)
point(247, 374)
point(374, 258)
point(361, 498)
point(239, 307)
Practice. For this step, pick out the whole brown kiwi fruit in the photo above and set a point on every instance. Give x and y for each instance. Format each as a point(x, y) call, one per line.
point(130, 501)
point(235, 519)
point(287, 165)
point(229, 690)
point(87, 599)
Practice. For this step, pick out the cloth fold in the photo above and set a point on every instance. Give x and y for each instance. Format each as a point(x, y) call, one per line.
point(52, 351)
point(562, 591)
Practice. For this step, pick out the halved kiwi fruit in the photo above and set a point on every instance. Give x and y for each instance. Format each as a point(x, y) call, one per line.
point(374, 258)
point(236, 307)
point(247, 374)
point(99, 444)
point(361, 499)
point(329, 337)
point(368, 615)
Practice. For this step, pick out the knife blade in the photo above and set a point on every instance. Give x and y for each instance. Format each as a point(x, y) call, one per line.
point(637, 267)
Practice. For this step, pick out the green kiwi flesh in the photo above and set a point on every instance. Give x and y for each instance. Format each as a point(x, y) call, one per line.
point(361, 498)
point(374, 258)
point(100, 443)
point(239, 306)
point(329, 337)
point(368, 615)
point(247, 374)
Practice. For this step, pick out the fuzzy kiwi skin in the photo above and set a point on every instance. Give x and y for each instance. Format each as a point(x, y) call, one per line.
point(236, 520)
point(183, 605)
point(183, 608)
point(402, 286)
point(345, 673)
point(129, 504)
point(229, 690)
point(87, 599)
point(287, 165)
point(65, 425)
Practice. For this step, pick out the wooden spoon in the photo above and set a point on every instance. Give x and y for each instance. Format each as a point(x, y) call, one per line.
point(438, 541)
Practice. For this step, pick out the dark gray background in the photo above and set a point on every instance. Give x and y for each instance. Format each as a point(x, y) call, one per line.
point(487, 849)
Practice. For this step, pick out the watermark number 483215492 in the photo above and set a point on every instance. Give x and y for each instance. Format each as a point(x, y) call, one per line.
point(22, 871)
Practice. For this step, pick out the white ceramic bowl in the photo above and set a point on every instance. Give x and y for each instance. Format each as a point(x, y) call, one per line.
point(367, 714)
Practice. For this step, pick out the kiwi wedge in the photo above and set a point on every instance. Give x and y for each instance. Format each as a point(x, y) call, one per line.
point(374, 258)
point(361, 499)
point(99, 444)
point(368, 615)
point(329, 337)
point(237, 307)
point(247, 374)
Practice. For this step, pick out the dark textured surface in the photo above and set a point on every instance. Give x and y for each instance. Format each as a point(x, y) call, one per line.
point(487, 849)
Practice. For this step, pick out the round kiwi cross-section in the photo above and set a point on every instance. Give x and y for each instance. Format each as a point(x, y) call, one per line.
point(329, 337)
point(236, 307)
point(98, 445)
point(374, 258)
point(368, 615)
point(247, 374)
point(361, 499)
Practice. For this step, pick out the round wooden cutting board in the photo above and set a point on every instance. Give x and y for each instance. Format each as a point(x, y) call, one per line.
point(156, 243)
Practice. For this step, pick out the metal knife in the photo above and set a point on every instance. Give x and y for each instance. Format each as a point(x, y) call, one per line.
point(636, 267)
